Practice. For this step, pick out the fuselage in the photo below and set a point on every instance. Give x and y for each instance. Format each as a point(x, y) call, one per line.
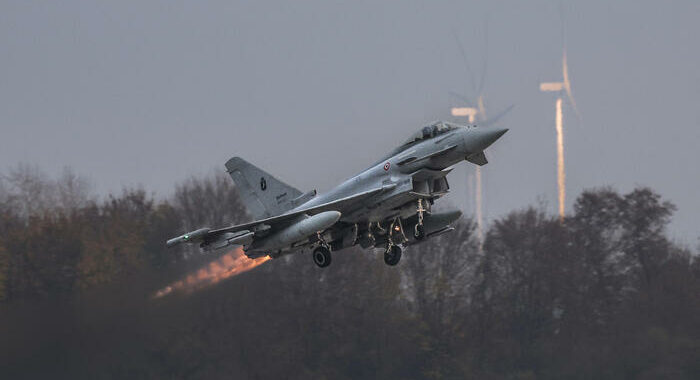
point(394, 172)
point(374, 208)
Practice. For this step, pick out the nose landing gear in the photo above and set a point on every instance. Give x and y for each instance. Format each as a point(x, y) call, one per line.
point(419, 230)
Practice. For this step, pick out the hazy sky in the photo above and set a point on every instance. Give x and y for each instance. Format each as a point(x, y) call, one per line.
point(148, 93)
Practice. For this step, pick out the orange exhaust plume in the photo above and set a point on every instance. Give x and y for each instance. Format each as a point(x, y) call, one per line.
point(230, 264)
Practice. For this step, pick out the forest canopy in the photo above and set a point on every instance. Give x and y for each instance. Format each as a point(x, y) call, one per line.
point(602, 294)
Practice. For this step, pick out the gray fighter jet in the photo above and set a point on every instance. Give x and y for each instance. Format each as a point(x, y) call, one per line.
point(387, 205)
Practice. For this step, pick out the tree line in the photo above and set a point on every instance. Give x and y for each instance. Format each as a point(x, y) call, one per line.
point(602, 294)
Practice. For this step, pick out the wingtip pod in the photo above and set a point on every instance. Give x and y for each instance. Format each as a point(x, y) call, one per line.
point(188, 237)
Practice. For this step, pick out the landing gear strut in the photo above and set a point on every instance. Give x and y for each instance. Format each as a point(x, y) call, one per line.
point(392, 255)
point(419, 230)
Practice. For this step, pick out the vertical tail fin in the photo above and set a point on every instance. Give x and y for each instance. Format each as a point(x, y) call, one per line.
point(264, 195)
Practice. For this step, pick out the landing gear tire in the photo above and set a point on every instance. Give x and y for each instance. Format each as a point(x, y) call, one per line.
point(392, 255)
point(419, 232)
point(322, 257)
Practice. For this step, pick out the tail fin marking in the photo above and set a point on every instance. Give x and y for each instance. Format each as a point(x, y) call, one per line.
point(263, 195)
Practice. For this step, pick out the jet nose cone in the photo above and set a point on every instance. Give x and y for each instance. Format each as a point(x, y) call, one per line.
point(480, 139)
point(491, 135)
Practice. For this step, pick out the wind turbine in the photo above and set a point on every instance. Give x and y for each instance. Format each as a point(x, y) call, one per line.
point(561, 88)
point(472, 113)
point(475, 111)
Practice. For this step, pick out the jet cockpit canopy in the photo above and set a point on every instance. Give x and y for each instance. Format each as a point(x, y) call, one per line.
point(431, 130)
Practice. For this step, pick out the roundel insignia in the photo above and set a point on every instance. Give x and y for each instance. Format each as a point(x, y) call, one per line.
point(387, 166)
point(263, 184)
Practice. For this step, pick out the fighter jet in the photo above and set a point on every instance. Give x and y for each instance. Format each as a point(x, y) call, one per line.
point(386, 206)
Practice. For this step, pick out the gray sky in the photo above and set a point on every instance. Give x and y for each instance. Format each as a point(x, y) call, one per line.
point(148, 93)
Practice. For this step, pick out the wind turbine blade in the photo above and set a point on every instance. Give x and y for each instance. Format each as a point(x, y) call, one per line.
point(496, 118)
point(481, 107)
point(461, 97)
point(470, 74)
point(484, 65)
point(567, 86)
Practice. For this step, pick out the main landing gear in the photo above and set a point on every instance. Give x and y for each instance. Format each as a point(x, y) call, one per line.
point(392, 255)
point(322, 254)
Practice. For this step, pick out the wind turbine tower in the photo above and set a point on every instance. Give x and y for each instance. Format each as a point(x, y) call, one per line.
point(471, 114)
point(560, 89)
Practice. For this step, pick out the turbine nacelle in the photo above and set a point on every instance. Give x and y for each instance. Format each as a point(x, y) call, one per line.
point(564, 86)
point(552, 86)
point(468, 112)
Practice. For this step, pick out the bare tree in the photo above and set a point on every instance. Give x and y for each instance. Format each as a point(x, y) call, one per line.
point(31, 190)
point(208, 201)
point(73, 192)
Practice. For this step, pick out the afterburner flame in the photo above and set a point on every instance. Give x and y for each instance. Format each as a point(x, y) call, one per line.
point(228, 265)
point(561, 174)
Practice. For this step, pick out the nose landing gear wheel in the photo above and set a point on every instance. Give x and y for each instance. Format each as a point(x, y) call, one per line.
point(392, 255)
point(322, 257)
